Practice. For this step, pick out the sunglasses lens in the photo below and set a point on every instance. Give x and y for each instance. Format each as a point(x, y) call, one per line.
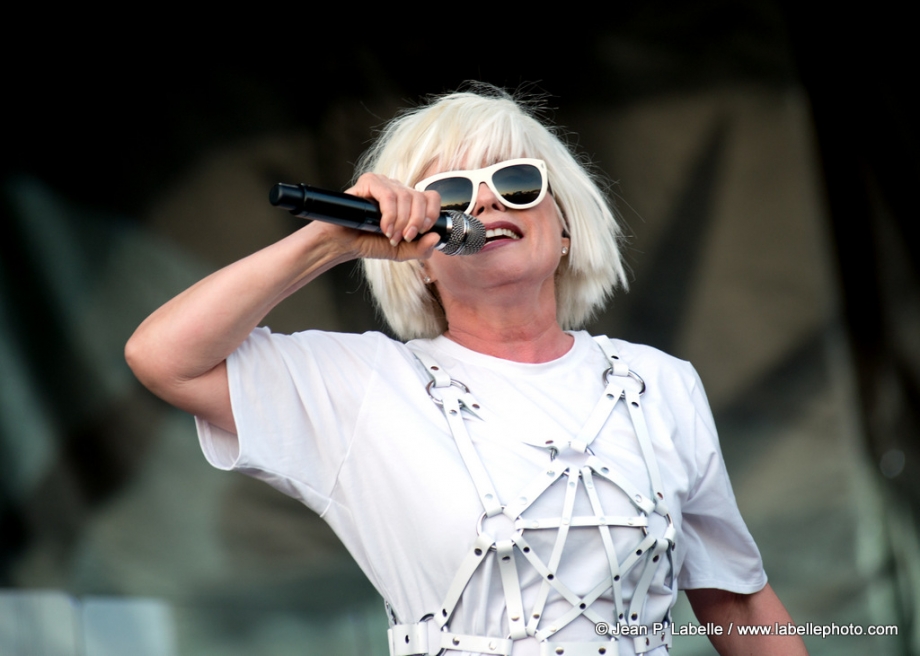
point(456, 193)
point(519, 184)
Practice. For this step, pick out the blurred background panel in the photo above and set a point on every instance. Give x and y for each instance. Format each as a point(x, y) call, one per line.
point(761, 157)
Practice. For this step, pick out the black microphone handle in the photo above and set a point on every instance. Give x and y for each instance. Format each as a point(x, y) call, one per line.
point(460, 233)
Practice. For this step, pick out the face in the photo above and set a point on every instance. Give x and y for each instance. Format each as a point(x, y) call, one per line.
point(519, 261)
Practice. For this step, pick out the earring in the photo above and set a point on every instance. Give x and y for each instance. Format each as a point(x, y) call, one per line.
point(565, 250)
point(427, 280)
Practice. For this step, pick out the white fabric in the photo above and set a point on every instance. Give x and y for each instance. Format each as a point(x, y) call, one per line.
point(343, 423)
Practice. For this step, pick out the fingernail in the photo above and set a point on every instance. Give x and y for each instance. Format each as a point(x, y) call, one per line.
point(410, 233)
point(428, 223)
point(389, 233)
point(394, 241)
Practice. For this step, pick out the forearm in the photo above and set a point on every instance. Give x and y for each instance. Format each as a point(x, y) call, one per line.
point(761, 608)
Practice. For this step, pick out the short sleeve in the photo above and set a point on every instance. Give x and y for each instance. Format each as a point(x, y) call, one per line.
point(720, 552)
point(294, 400)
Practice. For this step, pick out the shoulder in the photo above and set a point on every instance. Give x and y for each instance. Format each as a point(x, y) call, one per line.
point(322, 353)
point(654, 364)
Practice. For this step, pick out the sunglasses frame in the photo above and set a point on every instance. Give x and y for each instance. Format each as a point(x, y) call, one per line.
point(478, 176)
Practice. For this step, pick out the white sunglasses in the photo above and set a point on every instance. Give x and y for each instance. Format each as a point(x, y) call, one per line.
point(519, 183)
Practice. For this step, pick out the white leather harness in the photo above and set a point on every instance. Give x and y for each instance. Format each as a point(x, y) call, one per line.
point(432, 635)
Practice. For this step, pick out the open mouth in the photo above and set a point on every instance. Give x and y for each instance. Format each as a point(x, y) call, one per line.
point(495, 234)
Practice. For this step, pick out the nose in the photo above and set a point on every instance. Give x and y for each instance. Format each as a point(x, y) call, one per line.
point(485, 199)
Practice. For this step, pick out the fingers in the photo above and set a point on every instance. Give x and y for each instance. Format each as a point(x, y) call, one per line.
point(405, 213)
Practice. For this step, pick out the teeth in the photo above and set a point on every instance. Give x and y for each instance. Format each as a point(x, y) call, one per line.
point(501, 232)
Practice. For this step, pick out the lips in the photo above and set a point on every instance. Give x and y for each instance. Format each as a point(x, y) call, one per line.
point(502, 230)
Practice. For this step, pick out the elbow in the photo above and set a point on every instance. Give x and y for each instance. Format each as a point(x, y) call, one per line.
point(142, 361)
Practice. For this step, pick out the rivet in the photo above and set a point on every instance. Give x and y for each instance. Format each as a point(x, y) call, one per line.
point(536, 616)
point(610, 396)
point(492, 645)
point(615, 357)
point(617, 578)
point(605, 470)
point(634, 404)
point(526, 549)
point(638, 552)
point(560, 650)
point(507, 558)
point(453, 412)
point(571, 483)
point(601, 650)
point(435, 368)
point(601, 519)
point(476, 406)
point(444, 612)
point(638, 498)
point(635, 616)
point(655, 559)
point(621, 615)
point(489, 496)
point(477, 551)
point(553, 629)
point(647, 641)
point(456, 641)
point(550, 473)
point(407, 640)
point(522, 500)
point(660, 495)
point(550, 577)
point(582, 605)
point(565, 521)
point(515, 618)
point(548, 442)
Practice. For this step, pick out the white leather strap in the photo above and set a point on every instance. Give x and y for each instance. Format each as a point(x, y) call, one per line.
point(633, 403)
point(654, 639)
point(607, 541)
point(408, 639)
point(598, 417)
point(511, 585)
point(440, 377)
point(608, 648)
point(476, 644)
point(462, 577)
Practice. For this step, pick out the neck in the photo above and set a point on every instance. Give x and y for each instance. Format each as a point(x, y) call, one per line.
point(522, 332)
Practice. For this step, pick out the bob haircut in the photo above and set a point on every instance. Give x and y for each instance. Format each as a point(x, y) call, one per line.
point(477, 128)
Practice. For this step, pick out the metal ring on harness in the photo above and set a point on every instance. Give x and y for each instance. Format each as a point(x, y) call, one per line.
point(606, 378)
point(482, 517)
point(455, 383)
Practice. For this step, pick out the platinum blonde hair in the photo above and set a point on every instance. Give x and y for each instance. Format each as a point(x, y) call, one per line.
point(486, 125)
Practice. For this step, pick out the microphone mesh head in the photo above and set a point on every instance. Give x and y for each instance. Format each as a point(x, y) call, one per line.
point(467, 235)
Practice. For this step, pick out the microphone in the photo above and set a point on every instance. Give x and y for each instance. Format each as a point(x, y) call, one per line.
point(460, 233)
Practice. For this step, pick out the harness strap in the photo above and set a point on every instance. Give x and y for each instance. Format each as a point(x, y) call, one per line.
point(579, 648)
point(456, 399)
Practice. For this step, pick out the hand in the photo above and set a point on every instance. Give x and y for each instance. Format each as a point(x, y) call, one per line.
point(405, 214)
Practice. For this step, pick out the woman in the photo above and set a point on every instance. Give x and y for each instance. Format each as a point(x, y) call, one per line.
point(507, 485)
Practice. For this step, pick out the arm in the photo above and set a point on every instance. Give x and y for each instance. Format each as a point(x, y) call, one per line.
point(179, 352)
point(761, 608)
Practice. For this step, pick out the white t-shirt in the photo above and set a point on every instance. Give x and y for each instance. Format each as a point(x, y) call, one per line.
point(343, 423)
